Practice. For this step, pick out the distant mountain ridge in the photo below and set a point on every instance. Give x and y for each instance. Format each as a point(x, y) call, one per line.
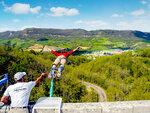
point(42, 32)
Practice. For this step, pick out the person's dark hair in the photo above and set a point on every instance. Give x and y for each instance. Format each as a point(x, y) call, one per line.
point(63, 51)
point(20, 80)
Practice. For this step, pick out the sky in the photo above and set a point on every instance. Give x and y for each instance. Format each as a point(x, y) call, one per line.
point(75, 14)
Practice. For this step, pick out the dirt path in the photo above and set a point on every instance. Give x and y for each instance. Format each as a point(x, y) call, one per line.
point(100, 91)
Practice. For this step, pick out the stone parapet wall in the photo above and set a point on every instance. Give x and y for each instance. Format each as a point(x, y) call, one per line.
point(108, 107)
point(98, 107)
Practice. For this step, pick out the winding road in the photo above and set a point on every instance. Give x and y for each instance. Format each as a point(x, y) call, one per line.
point(100, 91)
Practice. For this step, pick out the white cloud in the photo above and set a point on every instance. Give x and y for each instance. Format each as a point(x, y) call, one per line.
point(116, 16)
point(141, 25)
point(4, 28)
point(138, 12)
point(16, 20)
point(93, 24)
point(143, 2)
point(123, 26)
point(19, 8)
point(35, 10)
point(24, 27)
point(61, 11)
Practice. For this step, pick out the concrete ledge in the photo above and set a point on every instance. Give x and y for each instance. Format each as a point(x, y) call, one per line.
point(81, 108)
point(141, 106)
point(117, 107)
point(100, 107)
point(108, 107)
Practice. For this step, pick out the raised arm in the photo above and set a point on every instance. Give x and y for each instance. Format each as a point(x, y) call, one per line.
point(48, 49)
point(70, 52)
point(76, 49)
point(40, 78)
point(55, 53)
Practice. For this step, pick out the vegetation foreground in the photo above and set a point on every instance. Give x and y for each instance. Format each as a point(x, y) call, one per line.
point(123, 77)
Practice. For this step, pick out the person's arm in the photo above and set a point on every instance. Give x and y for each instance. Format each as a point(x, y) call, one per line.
point(76, 49)
point(55, 53)
point(4, 99)
point(40, 78)
point(70, 52)
point(48, 49)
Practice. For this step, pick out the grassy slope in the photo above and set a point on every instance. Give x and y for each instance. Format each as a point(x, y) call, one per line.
point(95, 43)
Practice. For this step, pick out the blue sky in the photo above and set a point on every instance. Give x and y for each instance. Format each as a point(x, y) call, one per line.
point(74, 14)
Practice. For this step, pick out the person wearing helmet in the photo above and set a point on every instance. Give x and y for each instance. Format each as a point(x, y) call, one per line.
point(20, 93)
point(61, 59)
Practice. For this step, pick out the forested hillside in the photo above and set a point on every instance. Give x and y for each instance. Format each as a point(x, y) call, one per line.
point(124, 76)
point(68, 87)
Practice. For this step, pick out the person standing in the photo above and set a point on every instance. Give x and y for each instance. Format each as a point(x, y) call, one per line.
point(20, 93)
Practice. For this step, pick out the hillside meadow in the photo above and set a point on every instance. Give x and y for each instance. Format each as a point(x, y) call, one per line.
point(91, 43)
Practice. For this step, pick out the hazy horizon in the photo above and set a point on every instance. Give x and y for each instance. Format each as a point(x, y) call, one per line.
point(69, 29)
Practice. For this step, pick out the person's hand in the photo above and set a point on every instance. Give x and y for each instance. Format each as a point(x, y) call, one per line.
point(6, 101)
point(43, 74)
point(77, 48)
point(48, 49)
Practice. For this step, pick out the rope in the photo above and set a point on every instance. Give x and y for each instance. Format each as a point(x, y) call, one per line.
point(1, 89)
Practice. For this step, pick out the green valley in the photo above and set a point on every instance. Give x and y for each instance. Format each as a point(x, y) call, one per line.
point(124, 76)
point(70, 38)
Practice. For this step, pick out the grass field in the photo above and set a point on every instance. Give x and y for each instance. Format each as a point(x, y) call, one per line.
point(92, 43)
